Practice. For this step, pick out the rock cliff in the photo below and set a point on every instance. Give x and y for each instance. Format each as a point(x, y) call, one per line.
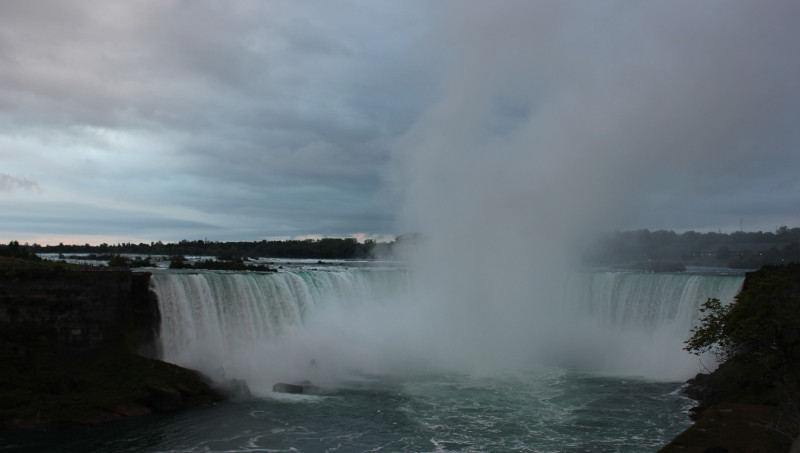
point(76, 348)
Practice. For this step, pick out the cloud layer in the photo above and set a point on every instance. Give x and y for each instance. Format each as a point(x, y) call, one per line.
point(617, 114)
point(164, 120)
point(235, 121)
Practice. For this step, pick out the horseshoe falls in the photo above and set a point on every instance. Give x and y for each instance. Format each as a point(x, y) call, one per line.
point(600, 371)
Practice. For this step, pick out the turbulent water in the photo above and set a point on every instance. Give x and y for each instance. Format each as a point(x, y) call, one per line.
point(557, 412)
point(382, 389)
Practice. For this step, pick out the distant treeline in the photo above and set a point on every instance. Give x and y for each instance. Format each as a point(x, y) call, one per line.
point(740, 249)
point(640, 248)
point(15, 250)
point(327, 248)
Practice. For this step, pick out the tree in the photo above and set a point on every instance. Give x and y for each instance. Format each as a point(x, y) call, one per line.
point(713, 332)
point(763, 320)
point(14, 250)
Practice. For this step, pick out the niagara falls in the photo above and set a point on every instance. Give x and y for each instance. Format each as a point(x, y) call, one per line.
point(399, 226)
point(355, 334)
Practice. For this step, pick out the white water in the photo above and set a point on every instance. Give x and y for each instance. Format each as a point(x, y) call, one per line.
point(266, 328)
point(636, 323)
point(329, 326)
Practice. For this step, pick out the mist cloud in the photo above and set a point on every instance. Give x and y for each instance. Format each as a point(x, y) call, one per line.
point(557, 120)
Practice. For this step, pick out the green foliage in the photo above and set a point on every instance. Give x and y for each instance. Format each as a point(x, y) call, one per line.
point(711, 334)
point(763, 320)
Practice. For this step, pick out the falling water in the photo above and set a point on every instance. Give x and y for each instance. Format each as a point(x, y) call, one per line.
point(227, 324)
point(614, 323)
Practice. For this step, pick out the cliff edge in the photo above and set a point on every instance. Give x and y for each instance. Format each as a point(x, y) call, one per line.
point(76, 348)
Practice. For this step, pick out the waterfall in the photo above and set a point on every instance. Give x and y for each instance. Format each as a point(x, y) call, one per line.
point(286, 325)
point(210, 319)
point(648, 301)
point(636, 323)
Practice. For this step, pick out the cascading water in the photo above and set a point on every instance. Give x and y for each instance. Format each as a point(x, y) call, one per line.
point(260, 326)
point(648, 301)
point(288, 325)
point(636, 323)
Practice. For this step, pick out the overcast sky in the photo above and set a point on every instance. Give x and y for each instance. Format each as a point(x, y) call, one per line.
point(245, 120)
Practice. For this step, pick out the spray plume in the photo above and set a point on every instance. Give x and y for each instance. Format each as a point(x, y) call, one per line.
point(558, 120)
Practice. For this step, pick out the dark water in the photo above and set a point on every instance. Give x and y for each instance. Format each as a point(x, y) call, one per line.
point(552, 411)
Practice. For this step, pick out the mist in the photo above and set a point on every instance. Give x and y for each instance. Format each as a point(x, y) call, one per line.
point(558, 120)
point(548, 123)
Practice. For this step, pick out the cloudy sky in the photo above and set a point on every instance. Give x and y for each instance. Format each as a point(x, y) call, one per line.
point(244, 120)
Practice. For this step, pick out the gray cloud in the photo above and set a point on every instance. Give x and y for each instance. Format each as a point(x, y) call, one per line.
point(279, 118)
point(219, 110)
point(10, 183)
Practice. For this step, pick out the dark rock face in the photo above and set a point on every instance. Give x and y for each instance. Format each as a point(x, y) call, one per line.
point(91, 389)
point(739, 380)
point(163, 399)
point(79, 311)
point(72, 345)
